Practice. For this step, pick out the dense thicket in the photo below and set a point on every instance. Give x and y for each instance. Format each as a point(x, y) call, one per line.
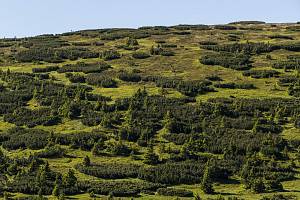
point(261, 73)
point(225, 27)
point(287, 37)
point(246, 48)
point(159, 50)
point(289, 64)
point(189, 88)
point(110, 55)
point(45, 69)
point(120, 188)
point(191, 27)
point(54, 55)
point(235, 85)
point(75, 78)
point(294, 89)
point(228, 60)
point(110, 170)
point(31, 118)
point(248, 22)
point(129, 76)
point(252, 48)
point(140, 55)
point(101, 80)
point(18, 138)
point(84, 67)
point(175, 192)
point(42, 41)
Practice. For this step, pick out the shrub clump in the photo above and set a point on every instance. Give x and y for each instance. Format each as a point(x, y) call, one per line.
point(175, 192)
point(140, 55)
point(110, 55)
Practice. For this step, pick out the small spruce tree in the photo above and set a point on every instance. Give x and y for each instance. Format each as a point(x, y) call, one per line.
point(86, 161)
point(151, 157)
point(206, 182)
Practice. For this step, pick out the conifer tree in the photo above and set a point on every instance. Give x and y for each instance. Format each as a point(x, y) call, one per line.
point(40, 194)
point(257, 185)
point(285, 153)
point(98, 147)
point(206, 183)
point(5, 196)
point(55, 191)
point(86, 161)
point(168, 121)
point(33, 165)
point(131, 42)
point(151, 157)
point(69, 179)
point(62, 196)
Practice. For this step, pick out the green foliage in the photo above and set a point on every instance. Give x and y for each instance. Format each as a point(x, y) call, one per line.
point(129, 77)
point(86, 161)
point(54, 151)
point(257, 186)
point(279, 197)
point(69, 179)
point(140, 55)
point(31, 118)
point(55, 191)
point(151, 157)
point(110, 170)
point(98, 147)
point(54, 55)
point(76, 78)
point(110, 55)
point(161, 51)
point(235, 85)
point(261, 73)
point(225, 27)
point(206, 182)
point(84, 67)
point(46, 69)
point(172, 134)
point(132, 42)
point(100, 80)
point(174, 173)
point(294, 89)
point(189, 88)
point(121, 188)
point(246, 48)
point(24, 138)
point(260, 177)
point(236, 61)
point(174, 192)
point(118, 148)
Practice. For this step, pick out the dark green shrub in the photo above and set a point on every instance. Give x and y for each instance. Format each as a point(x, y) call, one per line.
point(140, 55)
point(46, 69)
point(100, 80)
point(110, 55)
point(129, 77)
point(228, 60)
point(175, 192)
point(84, 67)
point(261, 73)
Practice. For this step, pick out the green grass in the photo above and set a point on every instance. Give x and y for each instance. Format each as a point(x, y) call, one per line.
point(5, 125)
point(67, 126)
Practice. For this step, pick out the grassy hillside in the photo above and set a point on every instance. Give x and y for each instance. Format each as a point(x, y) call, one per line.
point(181, 112)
